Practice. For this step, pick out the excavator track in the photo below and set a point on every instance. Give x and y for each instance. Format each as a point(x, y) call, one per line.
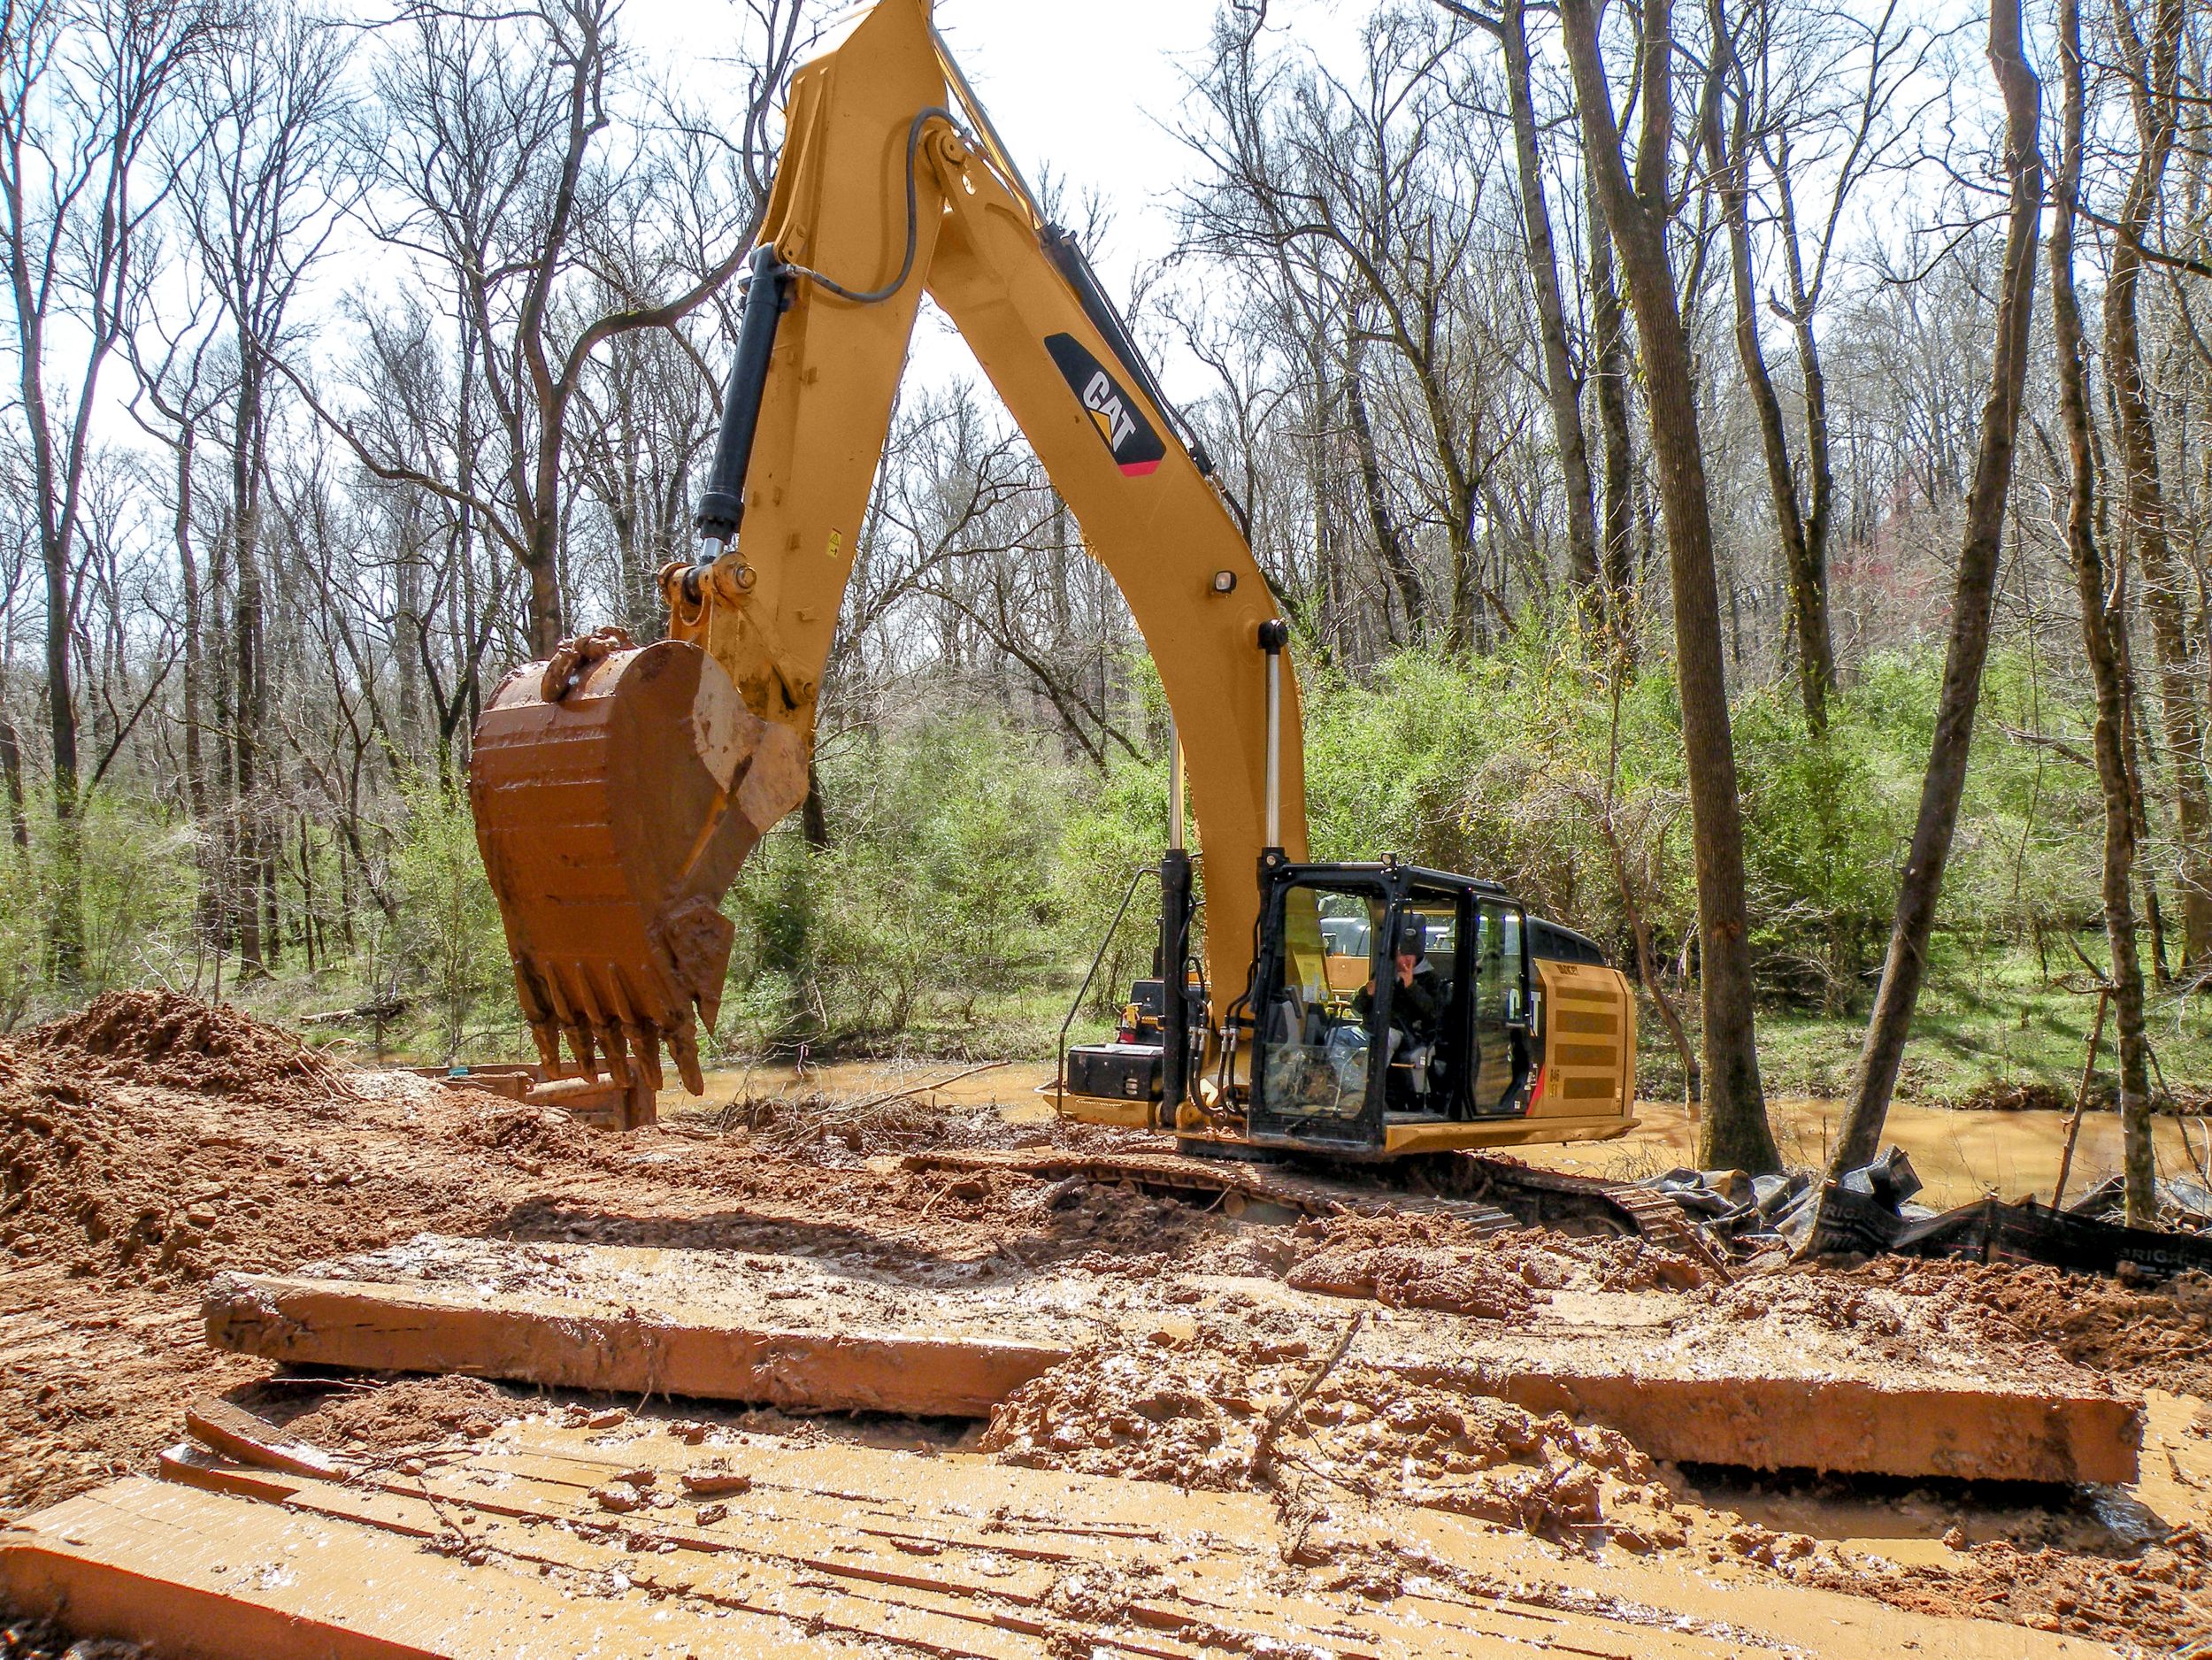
point(1490, 1193)
point(1554, 1198)
point(1243, 1189)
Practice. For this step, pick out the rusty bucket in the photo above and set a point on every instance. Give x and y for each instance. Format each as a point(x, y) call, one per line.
point(617, 790)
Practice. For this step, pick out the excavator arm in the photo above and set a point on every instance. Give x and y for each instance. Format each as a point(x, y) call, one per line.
point(617, 790)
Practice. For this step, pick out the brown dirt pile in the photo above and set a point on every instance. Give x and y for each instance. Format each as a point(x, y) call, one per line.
point(109, 1183)
point(1432, 1262)
point(2155, 1599)
point(1897, 1317)
point(1455, 1279)
point(119, 1198)
point(405, 1414)
point(521, 1130)
point(834, 1131)
point(177, 1042)
point(2150, 1336)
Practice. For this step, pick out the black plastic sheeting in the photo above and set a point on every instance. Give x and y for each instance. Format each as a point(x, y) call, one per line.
point(1845, 1222)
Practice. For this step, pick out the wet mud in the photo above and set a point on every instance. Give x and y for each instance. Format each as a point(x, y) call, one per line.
point(145, 1147)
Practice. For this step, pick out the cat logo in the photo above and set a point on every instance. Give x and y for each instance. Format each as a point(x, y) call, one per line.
point(1136, 449)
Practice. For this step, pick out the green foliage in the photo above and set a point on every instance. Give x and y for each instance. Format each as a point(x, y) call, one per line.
point(449, 940)
point(136, 857)
point(934, 897)
point(1112, 826)
point(1506, 767)
point(973, 866)
point(135, 868)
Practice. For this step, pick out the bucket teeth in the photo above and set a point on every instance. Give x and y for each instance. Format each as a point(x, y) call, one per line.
point(683, 1042)
point(611, 1045)
point(645, 1052)
point(579, 1046)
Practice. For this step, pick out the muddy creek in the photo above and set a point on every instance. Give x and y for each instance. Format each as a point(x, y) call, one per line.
point(1960, 1156)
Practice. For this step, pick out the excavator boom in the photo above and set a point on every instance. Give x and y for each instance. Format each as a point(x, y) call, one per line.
point(616, 791)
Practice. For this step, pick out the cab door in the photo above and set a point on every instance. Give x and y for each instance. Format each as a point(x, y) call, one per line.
point(1498, 981)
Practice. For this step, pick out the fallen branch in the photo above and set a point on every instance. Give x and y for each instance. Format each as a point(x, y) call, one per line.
point(919, 1089)
point(1272, 1426)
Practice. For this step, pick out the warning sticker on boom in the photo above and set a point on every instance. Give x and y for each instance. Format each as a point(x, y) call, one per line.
point(1136, 448)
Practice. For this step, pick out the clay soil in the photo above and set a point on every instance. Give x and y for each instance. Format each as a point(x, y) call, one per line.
point(150, 1143)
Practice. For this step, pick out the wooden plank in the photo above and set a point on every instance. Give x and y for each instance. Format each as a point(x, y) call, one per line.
point(1682, 1381)
point(479, 1560)
point(584, 1343)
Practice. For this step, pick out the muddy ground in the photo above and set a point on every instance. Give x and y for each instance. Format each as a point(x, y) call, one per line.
point(149, 1143)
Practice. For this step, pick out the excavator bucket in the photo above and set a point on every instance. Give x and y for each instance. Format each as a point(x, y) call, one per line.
point(617, 790)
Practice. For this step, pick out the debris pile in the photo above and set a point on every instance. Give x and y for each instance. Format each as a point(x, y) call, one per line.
point(1747, 1212)
point(1869, 1211)
point(1209, 1414)
point(112, 1182)
point(1419, 1261)
point(408, 1414)
point(831, 1132)
point(172, 1042)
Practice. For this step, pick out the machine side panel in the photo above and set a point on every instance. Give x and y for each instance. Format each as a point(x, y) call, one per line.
point(1589, 1042)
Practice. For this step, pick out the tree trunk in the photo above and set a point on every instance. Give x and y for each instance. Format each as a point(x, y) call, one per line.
point(2102, 621)
point(1390, 547)
point(1921, 885)
point(65, 918)
point(1735, 1132)
point(2152, 70)
point(2133, 743)
point(543, 568)
point(12, 775)
point(1611, 376)
point(814, 817)
point(1562, 386)
point(249, 693)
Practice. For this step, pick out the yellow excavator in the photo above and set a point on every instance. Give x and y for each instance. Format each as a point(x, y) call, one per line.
point(1359, 1011)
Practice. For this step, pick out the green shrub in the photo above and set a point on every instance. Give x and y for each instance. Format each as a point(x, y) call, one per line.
point(450, 941)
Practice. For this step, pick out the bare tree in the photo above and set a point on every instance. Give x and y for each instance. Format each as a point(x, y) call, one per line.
point(1733, 1130)
point(493, 173)
point(1920, 887)
point(1563, 377)
point(83, 91)
point(1758, 111)
point(2102, 594)
point(2151, 74)
point(257, 200)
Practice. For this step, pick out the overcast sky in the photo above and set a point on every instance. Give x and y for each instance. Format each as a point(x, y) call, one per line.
point(1088, 91)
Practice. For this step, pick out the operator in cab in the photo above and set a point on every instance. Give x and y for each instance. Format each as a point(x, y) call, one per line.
point(1416, 1015)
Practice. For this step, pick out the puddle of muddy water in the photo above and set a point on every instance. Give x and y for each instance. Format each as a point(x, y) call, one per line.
point(1960, 1156)
point(1011, 1087)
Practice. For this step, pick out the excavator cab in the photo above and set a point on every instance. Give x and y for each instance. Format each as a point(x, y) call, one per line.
point(1345, 1046)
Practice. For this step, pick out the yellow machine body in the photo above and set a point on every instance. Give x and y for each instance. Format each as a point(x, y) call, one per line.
point(891, 183)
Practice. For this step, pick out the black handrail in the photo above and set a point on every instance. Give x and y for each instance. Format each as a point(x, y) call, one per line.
point(1060, 1059)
